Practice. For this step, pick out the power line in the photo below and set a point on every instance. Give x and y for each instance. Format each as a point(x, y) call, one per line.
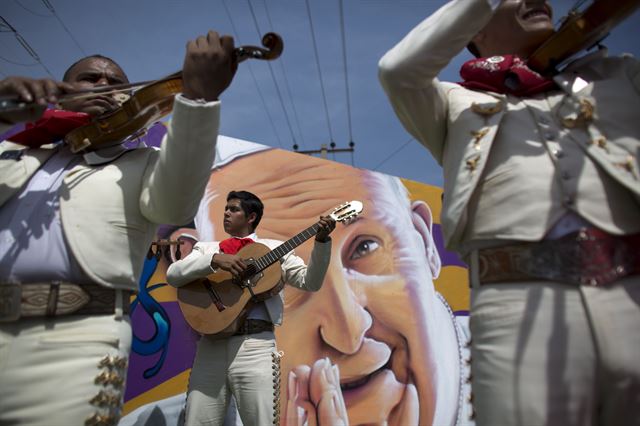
point(253, 76)
point(287, 85)
point(315, 50)
point(9, 61)
point(393, 154)
point(2, 58)
point(273, 77)
point(346, 73)
point(9, 28)
point(54, 13)
point(31, 11)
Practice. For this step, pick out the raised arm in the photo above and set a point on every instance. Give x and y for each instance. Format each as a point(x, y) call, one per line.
point(176, 178)
point(308, 276)
point(408, 72)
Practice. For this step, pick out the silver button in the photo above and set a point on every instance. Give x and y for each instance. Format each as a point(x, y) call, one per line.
point(495, 59)
point(568, 201)
point(558, 153)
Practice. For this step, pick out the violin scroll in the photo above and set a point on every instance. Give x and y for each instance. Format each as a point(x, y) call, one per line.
point(271, 41)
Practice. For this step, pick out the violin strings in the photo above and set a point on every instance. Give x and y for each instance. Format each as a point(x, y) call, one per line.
point(107, 90)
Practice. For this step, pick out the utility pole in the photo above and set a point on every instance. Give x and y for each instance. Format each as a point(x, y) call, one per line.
point(323, 151)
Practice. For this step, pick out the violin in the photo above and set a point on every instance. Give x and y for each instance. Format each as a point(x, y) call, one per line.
point(147, 105)
point(580, 31)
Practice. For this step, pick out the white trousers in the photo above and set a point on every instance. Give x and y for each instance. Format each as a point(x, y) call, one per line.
point(63, 370)
point(546, 353)
point(247, 367)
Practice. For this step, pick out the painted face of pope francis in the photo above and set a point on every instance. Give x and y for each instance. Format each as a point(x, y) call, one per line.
point(375, 316)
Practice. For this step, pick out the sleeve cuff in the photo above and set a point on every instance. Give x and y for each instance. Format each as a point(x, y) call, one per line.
point(194, 102)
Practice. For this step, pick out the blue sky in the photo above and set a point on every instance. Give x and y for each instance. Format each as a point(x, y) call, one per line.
point(148, 38)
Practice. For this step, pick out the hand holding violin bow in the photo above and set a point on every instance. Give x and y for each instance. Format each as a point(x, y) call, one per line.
point(34, 93)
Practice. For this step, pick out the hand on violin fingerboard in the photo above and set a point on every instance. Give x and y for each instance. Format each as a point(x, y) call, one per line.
point(209, 66)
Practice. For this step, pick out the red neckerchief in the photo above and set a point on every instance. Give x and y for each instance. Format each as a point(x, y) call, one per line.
point(233, 245)
point(51, 127)
point(504, 74)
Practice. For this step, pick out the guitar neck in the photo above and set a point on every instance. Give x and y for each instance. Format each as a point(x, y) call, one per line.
point(277, 253)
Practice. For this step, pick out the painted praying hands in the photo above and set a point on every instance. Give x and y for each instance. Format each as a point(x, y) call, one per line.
point(314, 397)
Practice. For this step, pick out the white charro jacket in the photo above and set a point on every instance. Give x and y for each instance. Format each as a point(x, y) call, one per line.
point(109, 212)
point(295, 273)
point(459, 126)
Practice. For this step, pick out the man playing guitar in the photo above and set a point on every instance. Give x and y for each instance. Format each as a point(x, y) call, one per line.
point(245, 364)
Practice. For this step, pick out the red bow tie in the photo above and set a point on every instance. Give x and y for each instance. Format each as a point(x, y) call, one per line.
point(51, 127)
point(233, 245)
point(504, 74)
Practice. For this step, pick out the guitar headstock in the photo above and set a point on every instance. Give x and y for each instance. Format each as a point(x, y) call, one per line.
point(347, 212)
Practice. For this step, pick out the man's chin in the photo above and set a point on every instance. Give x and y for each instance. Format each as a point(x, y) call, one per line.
point(537, 33)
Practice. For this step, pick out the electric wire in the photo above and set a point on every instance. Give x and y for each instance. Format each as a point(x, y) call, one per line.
point(25, 46)
point(273, 77)
point(2, 58)
point(315, 50)
point(286, 82)
point(49, 6)
point(253, 76)
point(346, 72)
point(346, 82)
point(31, 11)
point(400, 148)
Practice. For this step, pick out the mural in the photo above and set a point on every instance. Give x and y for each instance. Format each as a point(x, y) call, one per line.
point(392, 312)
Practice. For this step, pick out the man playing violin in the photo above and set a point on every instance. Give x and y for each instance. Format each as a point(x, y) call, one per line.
point(541, 197)
point(246, 364)
point(74, 230)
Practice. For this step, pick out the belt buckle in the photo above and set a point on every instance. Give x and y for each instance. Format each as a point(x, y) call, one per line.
point(10, 300)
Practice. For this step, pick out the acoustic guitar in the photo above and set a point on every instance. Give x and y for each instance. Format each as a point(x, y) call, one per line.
point(218, 303)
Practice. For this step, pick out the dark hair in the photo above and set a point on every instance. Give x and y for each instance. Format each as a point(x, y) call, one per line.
point(67, 73)
point(249, 203)
point(471, 47)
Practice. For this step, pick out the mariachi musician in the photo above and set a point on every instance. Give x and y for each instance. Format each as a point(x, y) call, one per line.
point(542, 197)
point(75, 227)
point(245, 362)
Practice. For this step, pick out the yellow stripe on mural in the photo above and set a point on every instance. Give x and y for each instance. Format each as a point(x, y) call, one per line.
point(169, 388)
point(453, 284)
point(432, 195)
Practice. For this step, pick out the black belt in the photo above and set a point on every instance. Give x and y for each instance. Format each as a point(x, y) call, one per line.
point(253, 326)
point(56, 298)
